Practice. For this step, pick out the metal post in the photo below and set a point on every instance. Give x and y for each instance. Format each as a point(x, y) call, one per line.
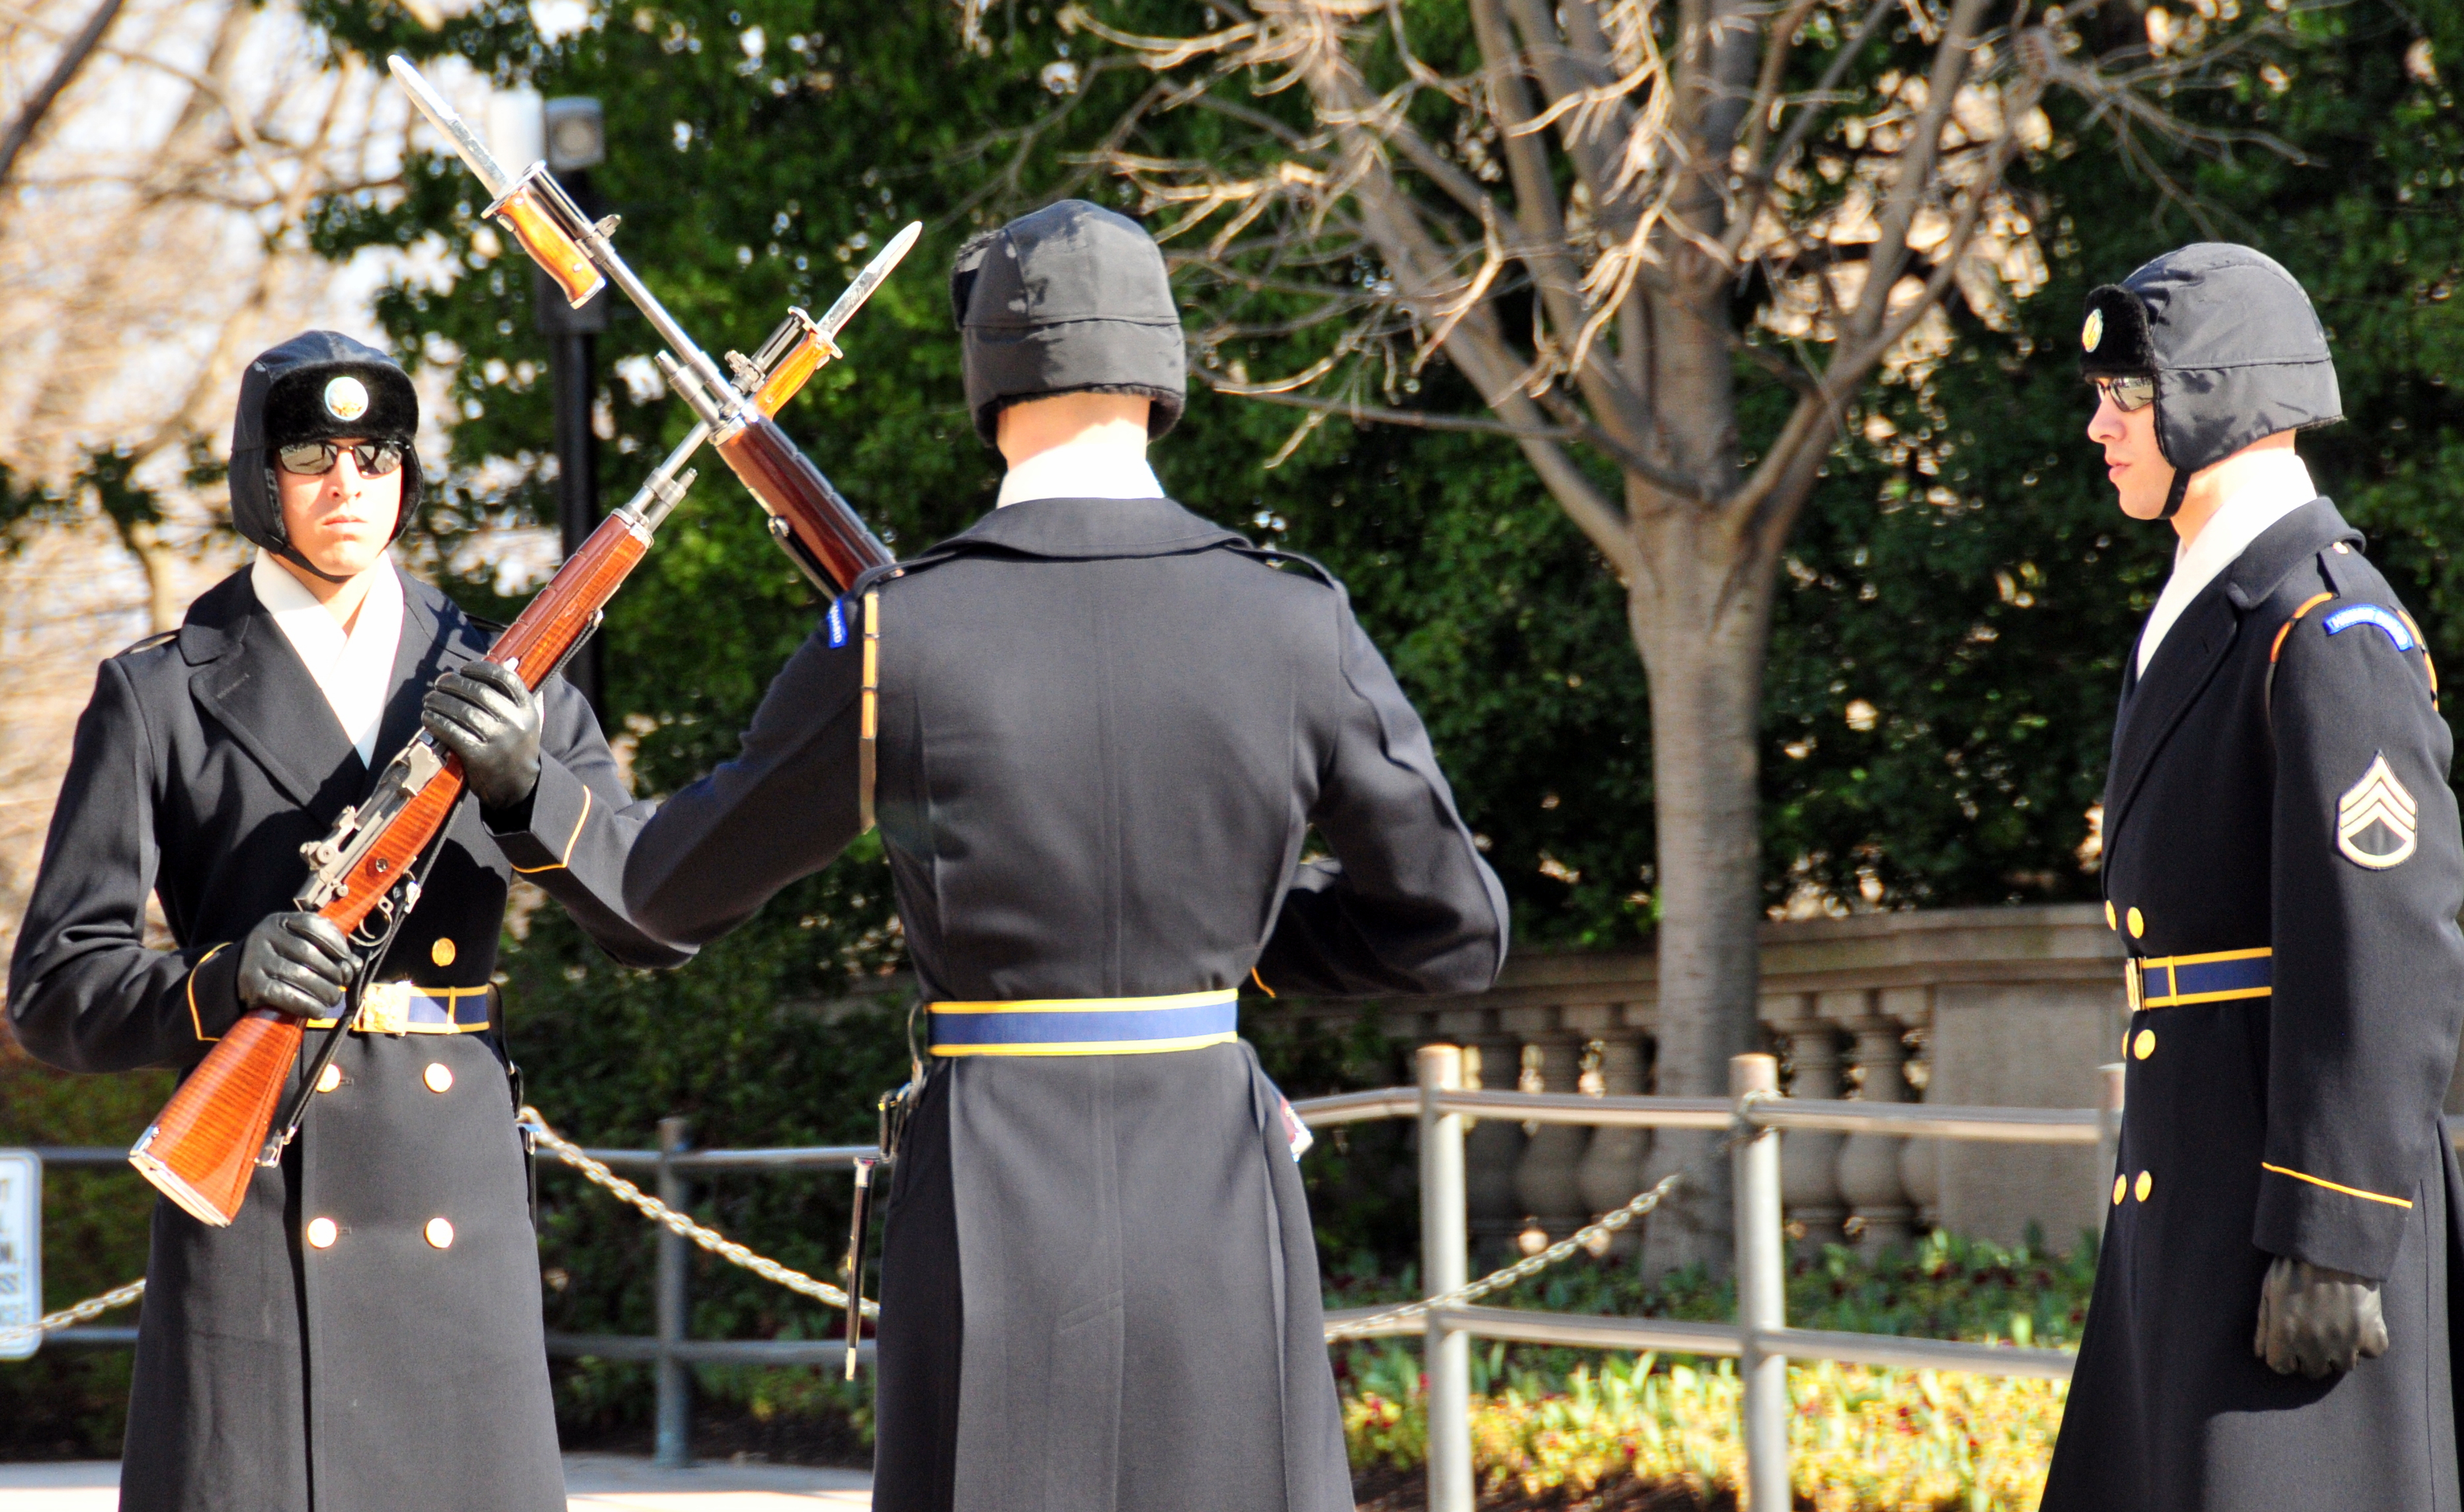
point(1446, 1264)
point(575, 140)
point(1762, 1297)
point(673, 1445)
point(2108, 1136)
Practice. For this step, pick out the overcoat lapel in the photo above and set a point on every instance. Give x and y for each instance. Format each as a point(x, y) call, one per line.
point(2155, 704)
point(430, 648)
point(260, 692)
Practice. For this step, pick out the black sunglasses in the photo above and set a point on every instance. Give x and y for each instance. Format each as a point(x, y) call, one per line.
point(316, 459)
point(2128, 394)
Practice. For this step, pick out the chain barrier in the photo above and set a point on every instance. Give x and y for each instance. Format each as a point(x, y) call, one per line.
point(794, 1280)
point(1533, 1265)
point(659, 1212)
point(70, 1317)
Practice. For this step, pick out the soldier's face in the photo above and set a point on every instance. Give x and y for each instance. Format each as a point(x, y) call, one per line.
point(340, 520)
point(2133, 462)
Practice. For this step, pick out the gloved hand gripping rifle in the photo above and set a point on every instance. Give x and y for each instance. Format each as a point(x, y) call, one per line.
point(364, 874)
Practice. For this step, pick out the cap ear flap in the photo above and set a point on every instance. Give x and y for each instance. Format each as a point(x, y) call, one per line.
point(962, 272)
point(2114, 340)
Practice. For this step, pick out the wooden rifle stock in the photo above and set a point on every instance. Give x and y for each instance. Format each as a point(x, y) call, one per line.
point(816, 525)
point(202, 1149)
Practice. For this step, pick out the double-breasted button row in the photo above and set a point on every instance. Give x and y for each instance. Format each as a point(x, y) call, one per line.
point(438, 1075)
point(2125, 1187)
point(2137, 921)
point(323, 1234)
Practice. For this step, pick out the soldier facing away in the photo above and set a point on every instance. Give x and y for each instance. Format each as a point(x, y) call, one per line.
point(365, 1335)
point(2272, 1321)
point(1099, 729)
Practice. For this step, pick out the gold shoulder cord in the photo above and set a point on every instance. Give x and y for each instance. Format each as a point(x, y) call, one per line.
point(868, 736)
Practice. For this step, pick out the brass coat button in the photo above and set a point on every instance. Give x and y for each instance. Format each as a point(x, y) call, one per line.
point(2147, 1184)
point(439, 1233)
point(2142, 1046)
point(2110, 923)
point(442, 952)
point(2138, 923)
point(2121, 1189)
point(330, 1078)
point(322, 1233)
point(439, 1076)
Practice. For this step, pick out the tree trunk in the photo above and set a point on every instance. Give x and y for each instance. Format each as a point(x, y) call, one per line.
point(1704, 659)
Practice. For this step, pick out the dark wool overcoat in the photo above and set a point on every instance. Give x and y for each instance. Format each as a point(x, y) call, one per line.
point(383, 1371)
point(1106, 727)
point(2278, 784)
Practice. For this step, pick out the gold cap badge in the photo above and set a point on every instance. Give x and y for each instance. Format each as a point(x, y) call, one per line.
point(346, 398)
point(2093, 332)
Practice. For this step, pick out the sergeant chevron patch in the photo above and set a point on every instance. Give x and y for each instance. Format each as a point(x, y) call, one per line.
point(2377, 801)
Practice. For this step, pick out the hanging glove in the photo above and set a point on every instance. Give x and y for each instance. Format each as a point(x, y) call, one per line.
point(484, 715)
point(2313, 1320)
point(295, 964)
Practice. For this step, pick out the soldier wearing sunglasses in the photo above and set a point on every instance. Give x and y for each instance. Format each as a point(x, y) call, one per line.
point(366, 1333)
point(2272, 1326)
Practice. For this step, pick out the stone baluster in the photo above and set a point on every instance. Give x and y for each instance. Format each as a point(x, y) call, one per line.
point(1869, 1164)
point(1548, 1180)
point(1921, 1162)
point(1809, 1163)
point(1492, 1150)
point(1612, 1168)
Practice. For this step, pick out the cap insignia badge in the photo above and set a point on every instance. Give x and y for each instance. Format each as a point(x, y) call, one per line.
point(2377, 801)
point(346, 398)
point(2093, 332)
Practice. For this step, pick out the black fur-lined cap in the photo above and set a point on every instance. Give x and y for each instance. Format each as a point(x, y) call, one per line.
point(313, 388)
point(1071, 299)
point(2237, 352)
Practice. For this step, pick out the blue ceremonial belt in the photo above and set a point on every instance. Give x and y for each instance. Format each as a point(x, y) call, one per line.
point(398, 1008)
point(1087, 1026)
point(2177, 980)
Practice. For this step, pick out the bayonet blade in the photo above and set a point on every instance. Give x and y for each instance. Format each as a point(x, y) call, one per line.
point(869, 280)
point(443, 117)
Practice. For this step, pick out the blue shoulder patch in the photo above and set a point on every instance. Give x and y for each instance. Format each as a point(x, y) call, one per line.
point(838, 623)
point(2387, 619)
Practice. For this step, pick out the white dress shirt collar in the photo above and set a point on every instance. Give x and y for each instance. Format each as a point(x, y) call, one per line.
point(1081, 470)
point(355, 670)
point(2272, 485)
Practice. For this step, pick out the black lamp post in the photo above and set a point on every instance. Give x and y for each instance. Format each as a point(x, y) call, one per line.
point(577, 140)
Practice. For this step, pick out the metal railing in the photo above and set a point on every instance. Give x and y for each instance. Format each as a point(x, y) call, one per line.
point(1760, 1340)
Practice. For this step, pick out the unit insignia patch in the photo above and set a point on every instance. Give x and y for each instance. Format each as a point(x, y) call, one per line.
point(2377, 808)
point(838, 623)
point(2387, 619)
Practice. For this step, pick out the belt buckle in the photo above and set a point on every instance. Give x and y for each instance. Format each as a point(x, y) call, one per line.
point(2133, 988)
point(384, 1009)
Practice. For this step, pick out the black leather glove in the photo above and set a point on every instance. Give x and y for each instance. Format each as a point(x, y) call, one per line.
point(484, 715)
point(294, 964)
point(2313, 1320)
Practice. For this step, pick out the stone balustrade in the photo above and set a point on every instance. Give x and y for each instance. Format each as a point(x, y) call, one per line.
point(2006, 1006)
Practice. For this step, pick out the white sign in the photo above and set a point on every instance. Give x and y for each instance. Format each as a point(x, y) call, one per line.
point(21, 1253)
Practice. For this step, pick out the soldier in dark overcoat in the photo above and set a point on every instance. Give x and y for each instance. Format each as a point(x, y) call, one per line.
point(1099, 730)
point(2272, 1321)
point(366, 1336)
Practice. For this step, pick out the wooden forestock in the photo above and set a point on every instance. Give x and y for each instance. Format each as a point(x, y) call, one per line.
point(202, 1148)
point(824, 532)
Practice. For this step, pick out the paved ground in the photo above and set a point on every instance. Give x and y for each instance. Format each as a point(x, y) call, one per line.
point(596, 1484)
